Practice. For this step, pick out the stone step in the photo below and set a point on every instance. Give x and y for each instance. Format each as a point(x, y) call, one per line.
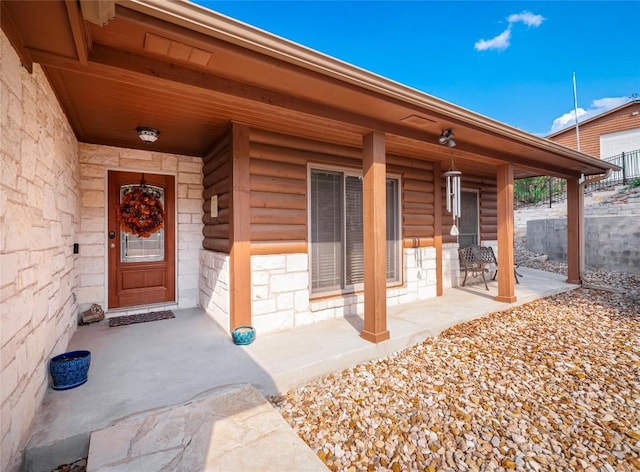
point(231, 428)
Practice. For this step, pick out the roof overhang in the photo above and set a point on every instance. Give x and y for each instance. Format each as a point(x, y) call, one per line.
point(188, 71)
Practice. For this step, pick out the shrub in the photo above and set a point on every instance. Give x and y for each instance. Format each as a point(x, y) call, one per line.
point(634, 183)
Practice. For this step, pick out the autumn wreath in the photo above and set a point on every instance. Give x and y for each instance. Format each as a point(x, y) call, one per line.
point(140, 212)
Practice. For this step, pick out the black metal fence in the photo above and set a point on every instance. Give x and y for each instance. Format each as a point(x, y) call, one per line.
point(549, 190)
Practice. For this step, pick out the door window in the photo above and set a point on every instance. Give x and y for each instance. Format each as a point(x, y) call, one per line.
point(142, 249)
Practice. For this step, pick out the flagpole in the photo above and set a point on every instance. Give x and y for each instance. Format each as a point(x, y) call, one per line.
point(575, 107)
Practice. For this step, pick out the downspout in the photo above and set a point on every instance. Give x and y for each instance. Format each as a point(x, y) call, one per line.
point(581, 186)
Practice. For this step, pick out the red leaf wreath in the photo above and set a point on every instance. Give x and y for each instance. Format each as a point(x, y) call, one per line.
point(140, 211)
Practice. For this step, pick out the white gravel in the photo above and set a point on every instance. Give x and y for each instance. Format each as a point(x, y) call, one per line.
point(551, 385)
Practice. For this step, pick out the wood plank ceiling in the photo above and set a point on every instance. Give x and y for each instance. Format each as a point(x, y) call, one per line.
point(138, 70)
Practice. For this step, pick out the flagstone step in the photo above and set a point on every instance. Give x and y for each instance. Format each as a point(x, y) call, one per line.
point(231, 428)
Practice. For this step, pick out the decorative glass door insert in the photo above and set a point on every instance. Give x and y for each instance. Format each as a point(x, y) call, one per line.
point(135, 248)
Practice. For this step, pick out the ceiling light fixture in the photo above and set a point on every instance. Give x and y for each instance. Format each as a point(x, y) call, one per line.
point(446, 138)
point(148, 135)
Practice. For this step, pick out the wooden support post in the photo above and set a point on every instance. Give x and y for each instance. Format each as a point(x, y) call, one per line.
point(437, 224)
point(240, 227)
point(375, 238)
point(506, 283)
point(575, 220)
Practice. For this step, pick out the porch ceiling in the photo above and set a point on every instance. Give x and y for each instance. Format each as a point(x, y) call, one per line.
point(187, 71)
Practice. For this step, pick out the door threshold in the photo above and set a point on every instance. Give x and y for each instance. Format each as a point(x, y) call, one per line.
point(136, 310)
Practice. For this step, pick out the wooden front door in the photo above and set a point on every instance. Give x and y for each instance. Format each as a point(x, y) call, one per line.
point(141, 266)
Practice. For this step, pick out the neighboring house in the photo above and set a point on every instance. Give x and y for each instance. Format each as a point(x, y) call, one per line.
point(607, 134)
point(297, 187)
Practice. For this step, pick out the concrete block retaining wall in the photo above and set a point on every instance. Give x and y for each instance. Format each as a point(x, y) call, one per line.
point(595, 204)
point(39, 208)
point(612, 242)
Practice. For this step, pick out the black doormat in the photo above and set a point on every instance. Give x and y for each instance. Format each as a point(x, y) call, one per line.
point(140, 318)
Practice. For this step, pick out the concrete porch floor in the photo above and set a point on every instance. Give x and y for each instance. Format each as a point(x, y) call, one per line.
point(149, 366)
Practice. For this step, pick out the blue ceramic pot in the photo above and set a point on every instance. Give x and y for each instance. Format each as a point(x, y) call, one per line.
point(243, 335)
point(70, 369)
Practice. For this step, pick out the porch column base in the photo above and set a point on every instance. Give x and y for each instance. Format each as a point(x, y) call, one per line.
point(506, 299)
point(574, 281)
point(375, 337)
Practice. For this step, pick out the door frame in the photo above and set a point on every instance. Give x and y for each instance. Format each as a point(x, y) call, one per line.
point(106, 232)
point(477, 192)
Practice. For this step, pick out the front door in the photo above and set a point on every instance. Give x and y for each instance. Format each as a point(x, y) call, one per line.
point(468, 225)
point(141, 240)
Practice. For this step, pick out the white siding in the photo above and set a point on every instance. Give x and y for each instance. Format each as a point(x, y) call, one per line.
point(613, 144)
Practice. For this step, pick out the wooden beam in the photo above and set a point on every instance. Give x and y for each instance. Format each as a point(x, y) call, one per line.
point(575, 221)
point(78, 31)
point(506, 282)
point(240, 242)
point(375, 238)
point(9, 28)
point(437, 193)
point(279, 247)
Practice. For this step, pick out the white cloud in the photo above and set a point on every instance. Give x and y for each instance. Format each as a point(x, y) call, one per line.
point(527, 18)
point(608, 103)
point(567, 119)
point(597, 107)
point(499, 43)
point(503, 40)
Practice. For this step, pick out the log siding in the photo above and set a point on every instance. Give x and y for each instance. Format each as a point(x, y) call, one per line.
point(279, 190)
point(217, 173)
point(487, 196)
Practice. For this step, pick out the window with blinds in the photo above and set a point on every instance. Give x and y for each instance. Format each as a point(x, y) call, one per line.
point(336, 201)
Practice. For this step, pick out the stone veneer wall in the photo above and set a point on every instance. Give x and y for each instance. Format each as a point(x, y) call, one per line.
point(39, 205)
point(450, 265)
point(95, 160)
point(280, 291)
point(281, 297)
point(214, 286)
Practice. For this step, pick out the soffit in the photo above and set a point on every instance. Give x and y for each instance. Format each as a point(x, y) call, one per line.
point(143, 71)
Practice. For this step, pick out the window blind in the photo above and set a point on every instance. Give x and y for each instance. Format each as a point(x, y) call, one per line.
point(393, 230)
point(326, 229)
point(354, 242)
point(337, 225)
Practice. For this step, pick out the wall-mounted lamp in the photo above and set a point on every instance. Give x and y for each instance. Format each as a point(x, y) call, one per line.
point(446, 138)
point(148, 135)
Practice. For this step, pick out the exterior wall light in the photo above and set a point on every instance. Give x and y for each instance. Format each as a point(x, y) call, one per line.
point(446, 138)
point(148, 135)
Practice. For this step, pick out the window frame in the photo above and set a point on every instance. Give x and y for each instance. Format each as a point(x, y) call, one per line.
point(357, 287)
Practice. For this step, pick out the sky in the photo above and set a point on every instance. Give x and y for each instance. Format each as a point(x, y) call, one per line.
point(509, 60)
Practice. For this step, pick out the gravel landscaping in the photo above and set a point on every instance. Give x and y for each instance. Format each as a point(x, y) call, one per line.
point(550, 385)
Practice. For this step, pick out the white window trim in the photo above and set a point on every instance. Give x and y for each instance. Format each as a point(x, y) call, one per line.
point(354, 288)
